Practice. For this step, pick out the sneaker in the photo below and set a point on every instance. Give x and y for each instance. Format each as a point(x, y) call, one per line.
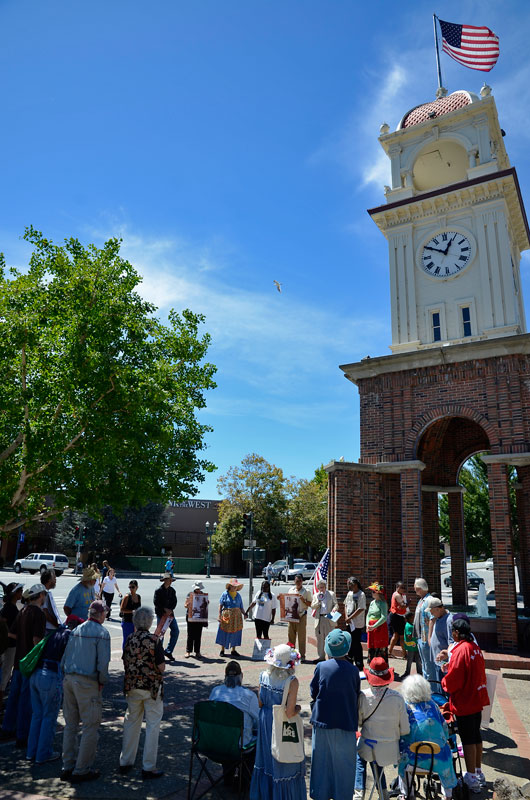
point(66, 775)
point(359, 794)
point(169, 656)
point(472, 783)
point(479, 775)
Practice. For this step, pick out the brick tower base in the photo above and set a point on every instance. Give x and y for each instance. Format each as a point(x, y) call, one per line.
point(423, 414)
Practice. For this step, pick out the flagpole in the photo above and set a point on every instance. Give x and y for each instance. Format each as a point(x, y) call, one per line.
point(439, 91)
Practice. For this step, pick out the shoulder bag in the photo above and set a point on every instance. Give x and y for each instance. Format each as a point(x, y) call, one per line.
point(28, 664)
point(287, 744)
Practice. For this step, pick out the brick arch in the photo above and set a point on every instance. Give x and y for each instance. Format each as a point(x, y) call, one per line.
point(448, 411)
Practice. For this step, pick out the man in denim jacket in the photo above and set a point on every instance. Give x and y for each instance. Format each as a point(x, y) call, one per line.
point(85, 666)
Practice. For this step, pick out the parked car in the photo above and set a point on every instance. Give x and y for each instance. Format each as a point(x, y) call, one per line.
point(445, 561)
point(306, 568)
point(473, 580)
point(489, 563)
point(38, 562)
point(278, 566)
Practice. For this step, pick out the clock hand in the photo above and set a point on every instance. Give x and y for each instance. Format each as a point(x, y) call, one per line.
point(436, 250)
point(449, 244)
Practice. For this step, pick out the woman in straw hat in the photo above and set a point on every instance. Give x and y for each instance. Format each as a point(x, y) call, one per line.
point(376, 624)
point(82, 595)
point(230, 618)
point(271, 779)
point(193, 642)
point(335, 690)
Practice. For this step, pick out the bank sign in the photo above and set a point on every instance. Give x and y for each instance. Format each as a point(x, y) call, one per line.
point(195, 504)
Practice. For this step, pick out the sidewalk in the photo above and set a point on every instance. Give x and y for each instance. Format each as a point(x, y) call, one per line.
point(506, 743)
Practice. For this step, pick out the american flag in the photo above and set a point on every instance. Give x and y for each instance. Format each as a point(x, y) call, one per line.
point(476, 48)
point(321, 574)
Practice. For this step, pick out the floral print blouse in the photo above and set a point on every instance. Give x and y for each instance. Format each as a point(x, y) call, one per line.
point(141, 655)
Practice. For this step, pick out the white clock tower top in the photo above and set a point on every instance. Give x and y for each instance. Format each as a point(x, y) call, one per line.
point(455, 224)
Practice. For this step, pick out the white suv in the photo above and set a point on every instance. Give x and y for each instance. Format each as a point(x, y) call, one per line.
point(38, 562)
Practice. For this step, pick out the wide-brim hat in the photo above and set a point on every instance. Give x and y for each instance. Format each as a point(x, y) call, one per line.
point(375, 587)
point(198, 585)
point(233, 583)
point(89, 574)
point(378, 673)
point(167, 576)
point(284, 656)
point(337, 643)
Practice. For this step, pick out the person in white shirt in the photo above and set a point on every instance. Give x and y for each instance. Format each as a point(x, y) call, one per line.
point(355, 616)
point(109, 585)
point(324, 604)
point(266, 605)
point(53, 618)
point(231, 691)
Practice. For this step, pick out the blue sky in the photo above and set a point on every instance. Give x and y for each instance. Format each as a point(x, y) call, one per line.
point(231, 143)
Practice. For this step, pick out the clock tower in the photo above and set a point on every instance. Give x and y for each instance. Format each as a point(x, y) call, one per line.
point(455, 225)
point(458, 379)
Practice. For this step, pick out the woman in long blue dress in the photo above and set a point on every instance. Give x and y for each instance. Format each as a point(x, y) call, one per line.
point(230, 618)
point(426, 725)
point(271, 779)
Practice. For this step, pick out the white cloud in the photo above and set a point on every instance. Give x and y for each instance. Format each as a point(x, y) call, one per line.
point(274, 343)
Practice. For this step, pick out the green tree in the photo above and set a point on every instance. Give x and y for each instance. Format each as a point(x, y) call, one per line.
point(308, 514)
point(98, 398)
point(136, 531)
point(258, 487)
point(474, 478)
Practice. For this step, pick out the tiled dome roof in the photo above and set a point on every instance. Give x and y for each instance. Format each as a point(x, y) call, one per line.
point(444, 105)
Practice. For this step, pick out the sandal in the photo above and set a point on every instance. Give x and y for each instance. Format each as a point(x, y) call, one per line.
point(187, 655)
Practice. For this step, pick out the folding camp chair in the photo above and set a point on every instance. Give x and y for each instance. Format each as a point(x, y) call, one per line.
point(217, 736)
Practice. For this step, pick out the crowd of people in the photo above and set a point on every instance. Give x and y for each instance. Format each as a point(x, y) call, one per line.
point(357, 718)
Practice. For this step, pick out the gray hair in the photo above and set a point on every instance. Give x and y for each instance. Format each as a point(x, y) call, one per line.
point(421, 583)
point(415, 689)
point(143, 618)
point(231, 681)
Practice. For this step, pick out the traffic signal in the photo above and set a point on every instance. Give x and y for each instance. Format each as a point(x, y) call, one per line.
point(247, 525)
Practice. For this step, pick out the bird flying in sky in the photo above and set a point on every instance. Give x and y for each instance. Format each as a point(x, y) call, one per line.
point(278, 286)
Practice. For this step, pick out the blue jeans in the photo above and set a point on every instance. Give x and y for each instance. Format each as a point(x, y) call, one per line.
point(173, 634)
point(427, 664)
point(126, 628)
point(17, 717)
point(360, 774)
point(46, 695)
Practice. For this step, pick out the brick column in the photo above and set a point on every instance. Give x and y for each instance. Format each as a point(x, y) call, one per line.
point(458, 548)
point(523, 524)
point(501, 539)
point(431, 540)
point(411, 527)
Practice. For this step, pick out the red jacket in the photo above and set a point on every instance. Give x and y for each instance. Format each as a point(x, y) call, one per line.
point(465, 679)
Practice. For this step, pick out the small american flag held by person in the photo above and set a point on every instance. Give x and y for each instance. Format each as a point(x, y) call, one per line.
point(321, 574)
point(471, 46)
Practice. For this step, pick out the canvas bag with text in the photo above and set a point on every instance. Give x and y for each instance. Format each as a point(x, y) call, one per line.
point(287, 744)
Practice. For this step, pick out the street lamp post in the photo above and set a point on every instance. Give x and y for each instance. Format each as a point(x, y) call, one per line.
point(209, 534)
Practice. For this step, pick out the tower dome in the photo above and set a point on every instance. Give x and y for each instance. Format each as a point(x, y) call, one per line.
point(443, 105)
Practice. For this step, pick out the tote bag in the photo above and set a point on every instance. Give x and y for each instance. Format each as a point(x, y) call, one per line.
point(287, 744)
point(28, 664)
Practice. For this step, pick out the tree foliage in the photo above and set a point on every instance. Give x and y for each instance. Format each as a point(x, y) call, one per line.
point(133, 532)
point(98, 398)
point(258, 487)
point(282, 508)
point(474, 478)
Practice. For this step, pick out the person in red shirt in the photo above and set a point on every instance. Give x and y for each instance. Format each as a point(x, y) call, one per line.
point(398, 610)
point(465, 682)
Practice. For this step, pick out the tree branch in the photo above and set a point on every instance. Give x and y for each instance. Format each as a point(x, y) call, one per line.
point(13, 523)
point(12, 447)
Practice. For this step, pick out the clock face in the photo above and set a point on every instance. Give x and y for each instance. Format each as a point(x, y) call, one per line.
point(446, 254)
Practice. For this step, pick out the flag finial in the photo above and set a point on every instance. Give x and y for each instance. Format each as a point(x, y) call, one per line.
point(441, 92)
